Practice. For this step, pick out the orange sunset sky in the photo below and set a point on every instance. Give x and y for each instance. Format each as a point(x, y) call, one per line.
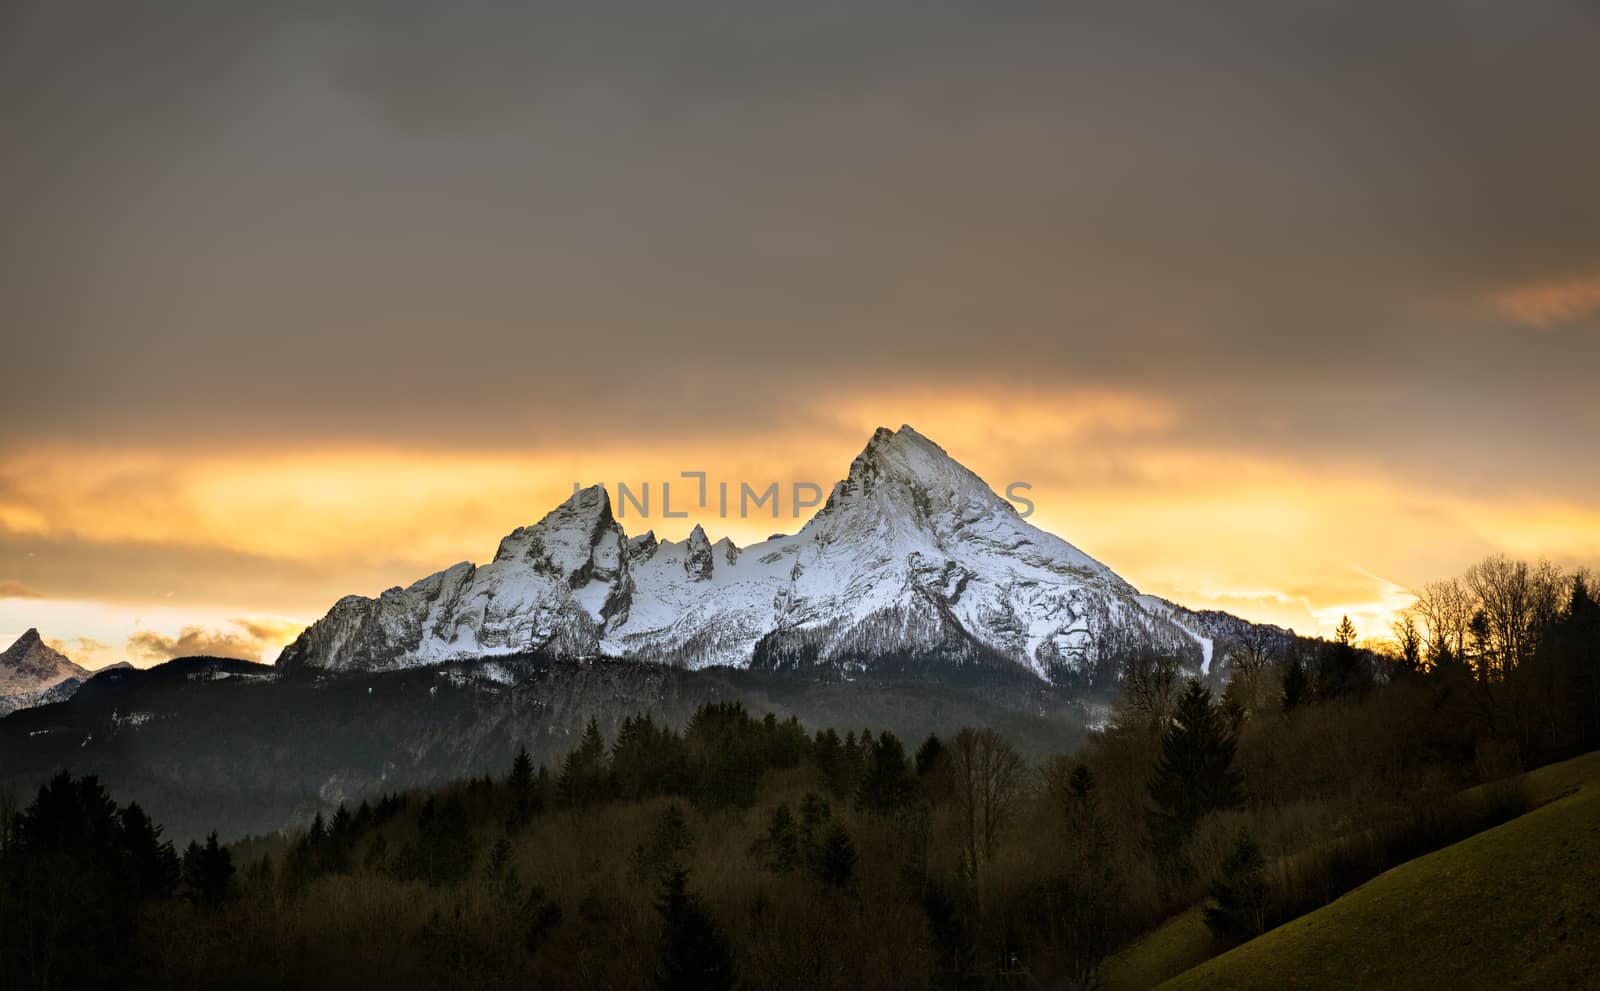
point(1282, 319)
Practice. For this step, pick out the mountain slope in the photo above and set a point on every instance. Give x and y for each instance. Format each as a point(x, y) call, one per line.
point(913, 564)
point(217, 743)
point(1421, 925)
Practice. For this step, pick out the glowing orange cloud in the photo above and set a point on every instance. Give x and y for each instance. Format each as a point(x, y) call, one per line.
point(1543, 304)
point(1296, 543)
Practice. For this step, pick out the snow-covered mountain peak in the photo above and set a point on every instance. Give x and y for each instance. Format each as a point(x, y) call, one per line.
point(913, 559)
point(698, 562)
point(904, 483)
point(564, 543)
point(30, 665)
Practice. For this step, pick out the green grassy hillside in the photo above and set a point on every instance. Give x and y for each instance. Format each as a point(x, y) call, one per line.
point(1515, 906)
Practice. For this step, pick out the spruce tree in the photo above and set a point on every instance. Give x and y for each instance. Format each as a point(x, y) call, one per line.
point(520, 782)
point(1296, 685)
point(207, 873)
point(153, 862)
point(928, 755)
point(886, 783)
point(1340, 672)
point(695, 956)
point(1089, 884)
point(1239, 893)
point(778, 849)
point(1193, 776)
point(1581, 628)
point(835, 859)
point(668, 848)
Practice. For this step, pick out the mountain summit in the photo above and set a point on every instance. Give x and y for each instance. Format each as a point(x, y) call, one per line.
point(31, 665)
point(912, 561)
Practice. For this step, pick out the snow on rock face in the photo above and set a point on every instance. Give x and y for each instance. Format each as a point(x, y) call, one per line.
point(31, 665)
point(912, 558)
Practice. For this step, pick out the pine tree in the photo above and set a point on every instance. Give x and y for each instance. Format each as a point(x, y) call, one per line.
point(886, 784)
point(1582, 632)
point(668, 848)
point(778, 849)
point(1239, 893)
point(445, 842)
point(827, 752)
point(340, 843)
point(1296, 685)
point(1193, 776)
point(835, 862)
point(1340, 671)
point(933, 770)
point(520, 782)
point(500, 875)
point(153, 861)
point(1090, 882)
point(928, 755)
point(76, 874)
point(208, 873)
point(695, 956)
point(583, 771)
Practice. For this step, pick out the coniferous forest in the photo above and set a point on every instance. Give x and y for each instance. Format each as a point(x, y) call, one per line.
point(739, 850)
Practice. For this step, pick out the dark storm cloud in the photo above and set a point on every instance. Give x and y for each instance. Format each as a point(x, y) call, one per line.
point(492, 225)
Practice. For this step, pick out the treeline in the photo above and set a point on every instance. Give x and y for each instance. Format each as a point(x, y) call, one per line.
point(77, 873)
point(749, 852)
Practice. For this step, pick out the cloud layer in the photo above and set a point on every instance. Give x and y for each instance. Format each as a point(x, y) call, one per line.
point(248, 640)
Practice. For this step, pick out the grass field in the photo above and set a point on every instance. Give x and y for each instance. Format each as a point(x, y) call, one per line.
point(1178, 944)
point(1515, 906)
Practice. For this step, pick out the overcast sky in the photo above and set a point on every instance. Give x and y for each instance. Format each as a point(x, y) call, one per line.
point(1280, 307)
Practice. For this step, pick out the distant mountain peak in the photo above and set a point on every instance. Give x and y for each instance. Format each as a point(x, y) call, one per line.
point(30, 665)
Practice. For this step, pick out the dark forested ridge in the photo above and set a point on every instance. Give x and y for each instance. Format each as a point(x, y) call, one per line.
point(211, 743)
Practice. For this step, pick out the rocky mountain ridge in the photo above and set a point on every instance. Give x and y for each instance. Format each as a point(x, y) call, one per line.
point(912, 562)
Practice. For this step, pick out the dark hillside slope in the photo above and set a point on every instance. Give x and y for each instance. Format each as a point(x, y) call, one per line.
point(210, 743)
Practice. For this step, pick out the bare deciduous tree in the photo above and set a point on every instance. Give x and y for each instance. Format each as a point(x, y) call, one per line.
point(1517, 601)
point(988, 774)
point(1150, 684)
point(1252, 676)
point(1443, 612)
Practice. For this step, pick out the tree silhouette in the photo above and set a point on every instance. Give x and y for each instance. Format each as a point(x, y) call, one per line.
point(778, 849)
point(835, 862)
point(667, 849)
point(886, 784)
point(1193, 775)
point(1239, 893)
point(1089, 882)
point(695, 955)
point(520, 781)
point(986, 774)
point(1296, 685)
point(75, 873)
point(1340, 671)
point(207, 873)
point(583, 772)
